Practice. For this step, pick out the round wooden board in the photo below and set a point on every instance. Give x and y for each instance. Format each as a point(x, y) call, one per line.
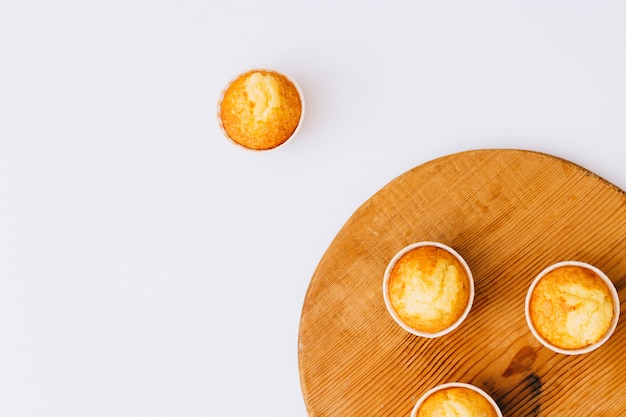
point(509, 213)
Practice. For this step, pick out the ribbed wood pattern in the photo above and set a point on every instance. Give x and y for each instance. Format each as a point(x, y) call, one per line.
point(509, 213)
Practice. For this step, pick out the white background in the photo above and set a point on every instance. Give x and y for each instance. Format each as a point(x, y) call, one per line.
point(148, 267)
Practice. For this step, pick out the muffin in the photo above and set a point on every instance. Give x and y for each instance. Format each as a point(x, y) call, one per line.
point(456, 400)
point(571, 306)
point(261, 109)
point(428, 289)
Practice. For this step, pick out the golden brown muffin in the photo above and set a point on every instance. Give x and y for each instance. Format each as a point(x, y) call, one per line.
point(429, 289)
point(571, 307)
point(456, 402)
point(260, 109)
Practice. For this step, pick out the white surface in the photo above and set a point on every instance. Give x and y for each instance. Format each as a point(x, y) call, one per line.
point(150, 268)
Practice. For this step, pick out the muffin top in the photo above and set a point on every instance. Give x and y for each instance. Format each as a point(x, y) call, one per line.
point(429, 289)
point(571, 307)
point(456, 402)
point(260, 109)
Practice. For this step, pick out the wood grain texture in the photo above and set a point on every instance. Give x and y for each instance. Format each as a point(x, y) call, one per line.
point(509, 213)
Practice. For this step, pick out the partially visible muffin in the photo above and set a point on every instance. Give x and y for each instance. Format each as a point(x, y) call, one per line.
point(429, 288)
point(261, 109)
point(456, 401)
point(571, 307)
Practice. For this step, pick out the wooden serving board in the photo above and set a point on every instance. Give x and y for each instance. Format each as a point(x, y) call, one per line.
point(509, 213)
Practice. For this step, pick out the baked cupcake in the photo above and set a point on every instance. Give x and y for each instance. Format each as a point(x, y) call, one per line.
point(428, 289)
point(456, 400)
point(572, 307)
point(261, 109)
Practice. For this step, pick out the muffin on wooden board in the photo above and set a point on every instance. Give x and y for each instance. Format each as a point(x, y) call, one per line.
point(428, 287)
point(456, 400)
point(571, 307)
